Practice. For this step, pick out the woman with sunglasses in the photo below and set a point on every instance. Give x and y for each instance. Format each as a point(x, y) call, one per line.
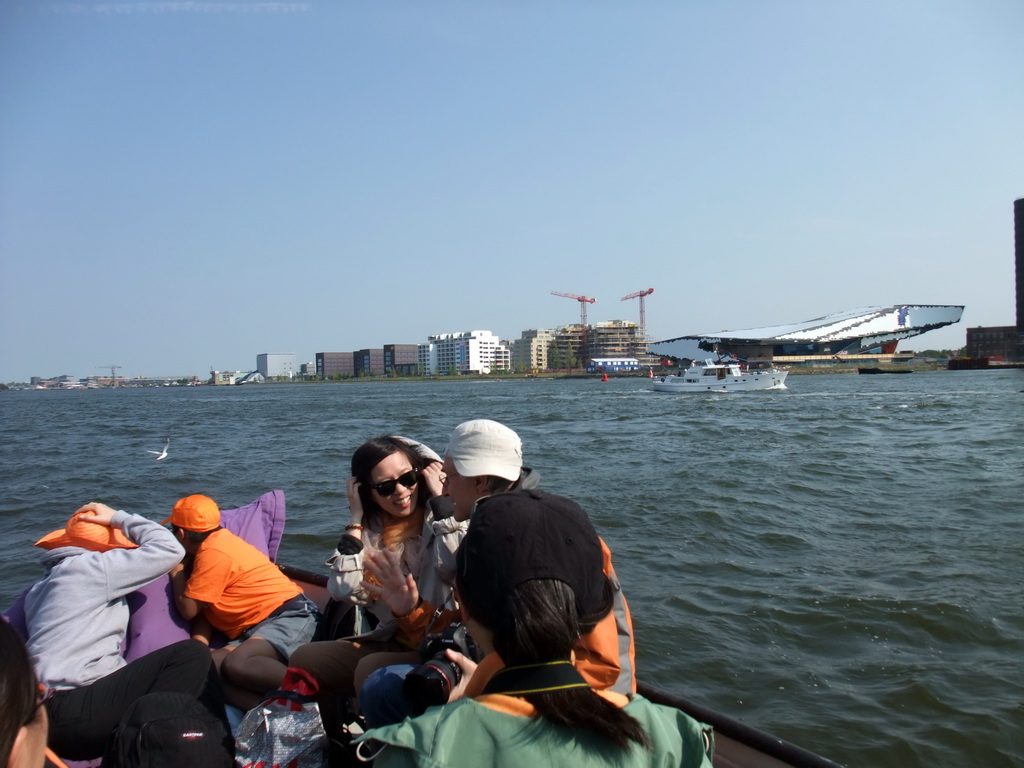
point(393, 480)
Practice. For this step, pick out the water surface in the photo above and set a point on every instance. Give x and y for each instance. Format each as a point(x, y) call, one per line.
point(841, 563)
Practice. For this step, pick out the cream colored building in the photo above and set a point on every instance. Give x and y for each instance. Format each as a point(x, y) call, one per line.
point(530, 350)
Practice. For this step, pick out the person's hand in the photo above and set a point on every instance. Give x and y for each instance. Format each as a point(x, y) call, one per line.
point(355, 503)
point(395, 588)
point(95, 512)
point(433, 477)
point(468, 667)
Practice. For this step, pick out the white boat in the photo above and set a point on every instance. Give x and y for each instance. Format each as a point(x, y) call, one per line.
point(721, 376)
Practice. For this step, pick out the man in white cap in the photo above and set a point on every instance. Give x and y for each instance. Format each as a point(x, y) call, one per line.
point(483, 458)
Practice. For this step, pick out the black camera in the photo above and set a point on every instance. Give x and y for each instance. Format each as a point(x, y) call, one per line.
point(431, 683)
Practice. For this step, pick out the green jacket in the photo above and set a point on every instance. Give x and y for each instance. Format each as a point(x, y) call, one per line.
point(467, 733)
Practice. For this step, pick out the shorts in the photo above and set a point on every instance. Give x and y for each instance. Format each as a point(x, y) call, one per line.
point(286, 629)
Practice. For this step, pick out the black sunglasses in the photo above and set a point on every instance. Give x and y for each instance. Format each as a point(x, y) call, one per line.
point(409, 479)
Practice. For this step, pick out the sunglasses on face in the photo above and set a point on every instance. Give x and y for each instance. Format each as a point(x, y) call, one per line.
point(409, 479)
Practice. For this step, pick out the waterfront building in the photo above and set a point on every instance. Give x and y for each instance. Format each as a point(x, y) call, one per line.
point(401, 359)
point(568, 349)
point(331, 365)
point(615, 338)
point(368, 362)
point(530, 351)
point(253, 377)
point(995, 342)
point(226, 378)
point(276, 366)
point(612, 364)
point(856, 334)
point(463, 352)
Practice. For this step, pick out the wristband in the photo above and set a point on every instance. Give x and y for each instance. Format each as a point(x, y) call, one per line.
point(353, 527)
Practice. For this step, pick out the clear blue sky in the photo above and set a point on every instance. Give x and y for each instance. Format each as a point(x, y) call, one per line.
point(189, 184)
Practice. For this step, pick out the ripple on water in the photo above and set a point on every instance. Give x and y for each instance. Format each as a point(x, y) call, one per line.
point(841, 564)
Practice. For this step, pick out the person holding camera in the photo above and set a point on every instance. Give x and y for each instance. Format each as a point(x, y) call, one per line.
point(393, 482)
point(531, 580)
point(483, 458)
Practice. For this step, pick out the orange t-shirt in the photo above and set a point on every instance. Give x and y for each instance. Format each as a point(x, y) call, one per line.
point(238, 583)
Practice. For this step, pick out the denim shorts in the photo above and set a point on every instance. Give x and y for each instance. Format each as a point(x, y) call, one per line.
point(286, 629)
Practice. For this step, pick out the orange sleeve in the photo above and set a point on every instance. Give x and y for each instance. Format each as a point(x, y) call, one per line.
point(606, 656)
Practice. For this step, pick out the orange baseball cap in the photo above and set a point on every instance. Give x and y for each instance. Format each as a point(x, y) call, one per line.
point(82, 532)
point(195, 513)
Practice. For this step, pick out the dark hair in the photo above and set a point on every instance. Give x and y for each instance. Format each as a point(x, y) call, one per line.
point(196, 537)
point(373, 452)
point(19, 692)
point(540, 622)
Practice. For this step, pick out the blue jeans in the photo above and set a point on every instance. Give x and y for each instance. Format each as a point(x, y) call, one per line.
point(381, 698)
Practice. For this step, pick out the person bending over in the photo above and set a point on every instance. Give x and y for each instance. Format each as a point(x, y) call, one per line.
point(224, 582)
point(77, 616)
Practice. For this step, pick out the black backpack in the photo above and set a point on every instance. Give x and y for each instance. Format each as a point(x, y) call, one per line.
point(169, 730)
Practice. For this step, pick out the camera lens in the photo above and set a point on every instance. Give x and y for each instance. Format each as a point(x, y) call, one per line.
point(431, 683)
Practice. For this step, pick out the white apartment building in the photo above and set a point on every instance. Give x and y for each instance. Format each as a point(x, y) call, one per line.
point(530, 350)
point(273, 366)
point(464, 352)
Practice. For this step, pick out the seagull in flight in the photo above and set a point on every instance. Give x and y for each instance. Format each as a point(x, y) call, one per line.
point(161, 454)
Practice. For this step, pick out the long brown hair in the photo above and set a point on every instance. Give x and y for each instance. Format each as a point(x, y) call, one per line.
point(19, 692)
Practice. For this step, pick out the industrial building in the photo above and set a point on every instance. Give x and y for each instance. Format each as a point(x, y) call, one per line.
point(276, 366)
point(993, 342)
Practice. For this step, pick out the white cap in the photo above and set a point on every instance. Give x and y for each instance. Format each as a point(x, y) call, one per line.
point(485, 447)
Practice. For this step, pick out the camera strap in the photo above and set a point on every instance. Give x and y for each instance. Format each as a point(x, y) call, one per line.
point(536, 678)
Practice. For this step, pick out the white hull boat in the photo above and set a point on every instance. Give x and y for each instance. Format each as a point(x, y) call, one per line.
point(709, 376)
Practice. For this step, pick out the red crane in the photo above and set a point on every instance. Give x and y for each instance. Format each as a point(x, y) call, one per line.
point(640, 295)
point(583, 300)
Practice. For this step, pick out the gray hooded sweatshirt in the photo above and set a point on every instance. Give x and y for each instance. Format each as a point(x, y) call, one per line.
point(77, 614)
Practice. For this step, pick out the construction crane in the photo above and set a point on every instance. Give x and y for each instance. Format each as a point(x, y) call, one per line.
point(583, 300)
point(113, 373)
point(640, 295)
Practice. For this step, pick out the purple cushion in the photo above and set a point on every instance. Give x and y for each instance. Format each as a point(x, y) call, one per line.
point(261, 523)
point(155, 622)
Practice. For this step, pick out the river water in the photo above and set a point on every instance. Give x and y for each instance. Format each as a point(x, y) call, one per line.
point(840, 564)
